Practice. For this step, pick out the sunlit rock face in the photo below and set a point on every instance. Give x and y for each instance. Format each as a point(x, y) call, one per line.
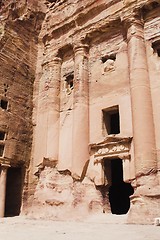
point(79, 112)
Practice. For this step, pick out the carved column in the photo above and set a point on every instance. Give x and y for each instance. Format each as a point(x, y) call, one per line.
point(143, 126)
point(3, 178)
point(80, 110)
point(46, 137)
point(53, 108)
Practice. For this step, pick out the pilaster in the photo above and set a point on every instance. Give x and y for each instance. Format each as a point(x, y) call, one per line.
point(80, 109)
point(47, 127)
point(145, 196)
point(3, 178)
point(53, 108)
point(142, 114)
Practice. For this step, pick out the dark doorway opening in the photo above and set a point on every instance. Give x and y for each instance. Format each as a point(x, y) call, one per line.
point(13, 192)
point(119, 191)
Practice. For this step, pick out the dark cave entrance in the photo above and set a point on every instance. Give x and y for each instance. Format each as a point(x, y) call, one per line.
point(13, 192)
point(119, 191)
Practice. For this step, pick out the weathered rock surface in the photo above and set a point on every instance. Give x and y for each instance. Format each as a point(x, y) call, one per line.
point(19, 27)
point(61, 197)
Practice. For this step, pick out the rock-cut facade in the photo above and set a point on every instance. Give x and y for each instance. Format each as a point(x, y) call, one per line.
point(80, 108)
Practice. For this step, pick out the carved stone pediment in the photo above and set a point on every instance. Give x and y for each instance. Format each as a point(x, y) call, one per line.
point(112, 147)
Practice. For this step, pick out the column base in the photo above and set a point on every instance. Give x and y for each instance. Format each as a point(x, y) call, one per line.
point(145, 202)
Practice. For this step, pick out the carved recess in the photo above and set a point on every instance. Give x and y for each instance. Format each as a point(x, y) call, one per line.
point(112, 147)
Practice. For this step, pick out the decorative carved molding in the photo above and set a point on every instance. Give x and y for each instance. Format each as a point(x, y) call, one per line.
point(112, 147)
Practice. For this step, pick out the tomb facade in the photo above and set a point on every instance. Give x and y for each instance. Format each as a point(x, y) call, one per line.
point(79, 108)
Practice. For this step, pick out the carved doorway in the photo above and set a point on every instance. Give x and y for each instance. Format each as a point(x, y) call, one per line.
point(13, 192)
point(119, 191)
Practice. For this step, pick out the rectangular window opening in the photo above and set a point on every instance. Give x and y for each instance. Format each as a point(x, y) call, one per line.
point(1, 150)
point(111, 120)
point(2, 135)
point(4, 104)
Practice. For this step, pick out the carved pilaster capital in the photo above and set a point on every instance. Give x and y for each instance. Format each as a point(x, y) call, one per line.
point(133, 20)
point(51, 62)
point(134, 27)
point(80, 48)
point(56, 61)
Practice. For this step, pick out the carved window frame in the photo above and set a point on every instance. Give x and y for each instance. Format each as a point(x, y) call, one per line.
point(107, 114)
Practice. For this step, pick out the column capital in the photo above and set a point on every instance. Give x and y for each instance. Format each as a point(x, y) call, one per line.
point(134, 26)
point(52, 61)
point(55, 61)
point(81, 48)
point(133, 20)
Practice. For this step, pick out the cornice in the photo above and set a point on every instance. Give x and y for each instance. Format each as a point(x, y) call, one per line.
point(69, 28)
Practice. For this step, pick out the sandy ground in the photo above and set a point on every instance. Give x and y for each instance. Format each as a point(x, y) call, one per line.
point(99, 227)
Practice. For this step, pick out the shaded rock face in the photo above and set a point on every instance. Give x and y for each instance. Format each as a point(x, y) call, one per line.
point(19, 29)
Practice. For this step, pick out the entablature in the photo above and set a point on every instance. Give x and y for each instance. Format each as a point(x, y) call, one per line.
point(81, 19)
point(94, 20)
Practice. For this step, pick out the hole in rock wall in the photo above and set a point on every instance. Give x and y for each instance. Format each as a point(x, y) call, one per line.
point(52, 1)
point(119, 191)
point(154, 4)
point(69, 82)
point(156, 47)
point(5, 89)
point(13, 191)
point(108, 57)
point(111, 120)
point(4, 104)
